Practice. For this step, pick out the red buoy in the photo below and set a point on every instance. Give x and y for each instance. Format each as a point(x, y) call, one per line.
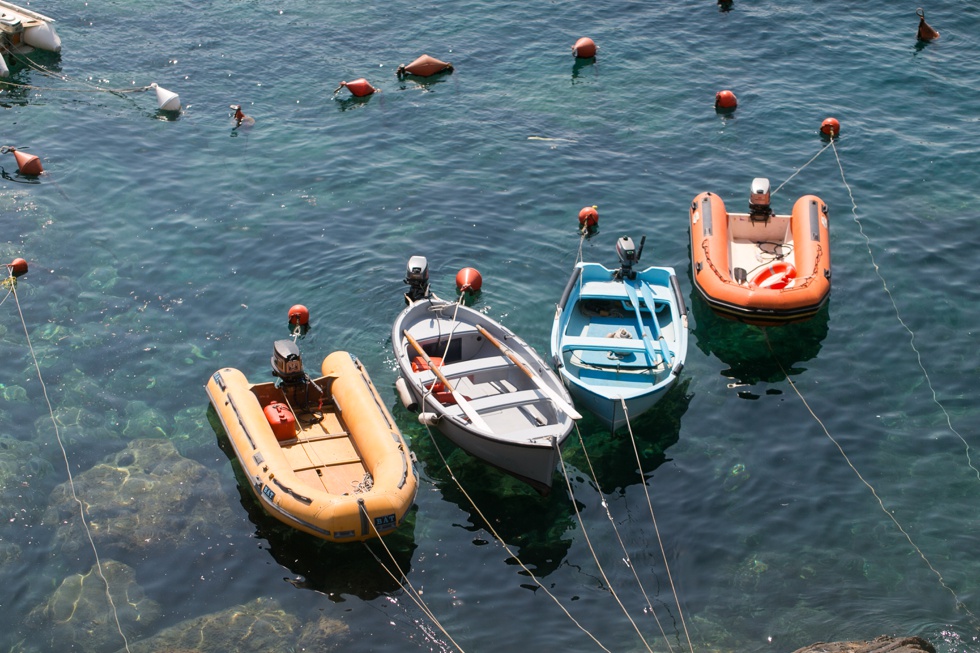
point(468, 280)
point(925, 33)
point(584, 48)
point(27, 164)
point(425, 66)
point(830, 127)
point(588, 217)
point(358, 88)
point(299, 315)
point(18, 267)
point(725, 100)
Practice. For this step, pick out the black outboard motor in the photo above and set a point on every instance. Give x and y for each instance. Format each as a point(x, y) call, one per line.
point(287, 364)
point(417, 278)
point(759, 210)
point(629, 255)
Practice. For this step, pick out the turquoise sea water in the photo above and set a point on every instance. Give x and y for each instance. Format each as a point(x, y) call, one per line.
point(809, 483)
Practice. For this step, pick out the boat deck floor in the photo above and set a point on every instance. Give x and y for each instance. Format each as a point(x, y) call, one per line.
point(323, 454)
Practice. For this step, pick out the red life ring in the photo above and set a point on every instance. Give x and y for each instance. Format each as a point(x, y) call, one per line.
point(777, 275)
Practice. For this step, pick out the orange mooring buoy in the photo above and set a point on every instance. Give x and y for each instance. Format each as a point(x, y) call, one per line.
point(725, 100)
point(299, 315)
point(27, 164)
point(425, 66)
point(584, 48)
point(830, 127)
point(358, 87)
point(926, 33)
point(240, 119)
point(468, 280)
point(588, 219)
point(17, 267)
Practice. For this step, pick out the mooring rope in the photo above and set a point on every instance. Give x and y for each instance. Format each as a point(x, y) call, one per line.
point(403, 581)
point(656, 528)
point(881, 504)
point(595, 556)
point(12, 281)
point(612, 522)
point(898, 316)
point(504, 544)
point(89, 88)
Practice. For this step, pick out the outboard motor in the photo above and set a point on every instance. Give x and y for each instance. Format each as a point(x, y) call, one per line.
point(759, 200)
point(417, 278)
point(287, 363)
point(629, 255)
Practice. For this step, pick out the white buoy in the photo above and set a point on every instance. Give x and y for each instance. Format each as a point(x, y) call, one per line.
point(43, 37)
point(405, 395)
point(166, 100)
point(4, 71)
point(428, 419)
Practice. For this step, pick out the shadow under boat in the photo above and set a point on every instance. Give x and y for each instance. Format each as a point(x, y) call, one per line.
point(757, 354)
point(353, 569)
point(539, 528)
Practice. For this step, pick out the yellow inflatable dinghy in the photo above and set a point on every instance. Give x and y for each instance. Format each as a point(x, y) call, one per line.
point(321, 455)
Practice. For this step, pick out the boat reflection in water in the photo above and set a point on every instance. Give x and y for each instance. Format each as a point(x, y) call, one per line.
point(758, 354)
point(353, 570)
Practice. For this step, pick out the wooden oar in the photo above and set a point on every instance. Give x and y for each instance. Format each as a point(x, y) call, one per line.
point(461, 401)
point(556, 398)
point(657, 333)
point(651, 354)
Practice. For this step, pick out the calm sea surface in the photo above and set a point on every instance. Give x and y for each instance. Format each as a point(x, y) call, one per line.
point(809, 483)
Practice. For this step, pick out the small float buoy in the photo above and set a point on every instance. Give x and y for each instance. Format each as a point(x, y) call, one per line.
point(468, 280)
point(588, 219)
point(830, 127)
point(27, 164)
point(358, 88)
point(424, 66)
point(241, 120)
point(925, 33)
point(584, 48)
point(166, 100)
point(299, 315)
point(725, 101)
point(4, 70)
point(17, 267)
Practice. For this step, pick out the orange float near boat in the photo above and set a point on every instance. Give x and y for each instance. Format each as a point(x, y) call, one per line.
point(759, 267)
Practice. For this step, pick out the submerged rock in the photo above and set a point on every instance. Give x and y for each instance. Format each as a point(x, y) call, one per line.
point(259, 626)
point(79, 617)
point(881, 644)
point(146, 498)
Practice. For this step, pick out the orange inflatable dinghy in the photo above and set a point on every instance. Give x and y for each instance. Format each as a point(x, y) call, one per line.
point(425, 66)
point(758, 267)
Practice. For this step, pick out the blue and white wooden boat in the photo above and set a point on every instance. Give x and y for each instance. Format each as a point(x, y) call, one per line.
point(620, 336)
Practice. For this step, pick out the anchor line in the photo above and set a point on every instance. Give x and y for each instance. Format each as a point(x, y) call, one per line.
point(881, 504)
point(629, 562)
point(898, 316)
point(71, 481)
point(812, 159)
point(506, 547)
point(653, 518)
point(405, 583)
point(595, 557)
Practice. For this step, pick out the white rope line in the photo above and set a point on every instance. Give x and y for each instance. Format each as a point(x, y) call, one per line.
point(612, 522)
point(595, 556)
point(889, 513)
point(71, 481)
point(814, 158)
point(507, 548)
point(898, 316)
point(403, 581)
point(656, 528)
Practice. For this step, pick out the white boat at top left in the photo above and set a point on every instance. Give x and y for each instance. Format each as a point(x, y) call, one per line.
point(22, 31)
